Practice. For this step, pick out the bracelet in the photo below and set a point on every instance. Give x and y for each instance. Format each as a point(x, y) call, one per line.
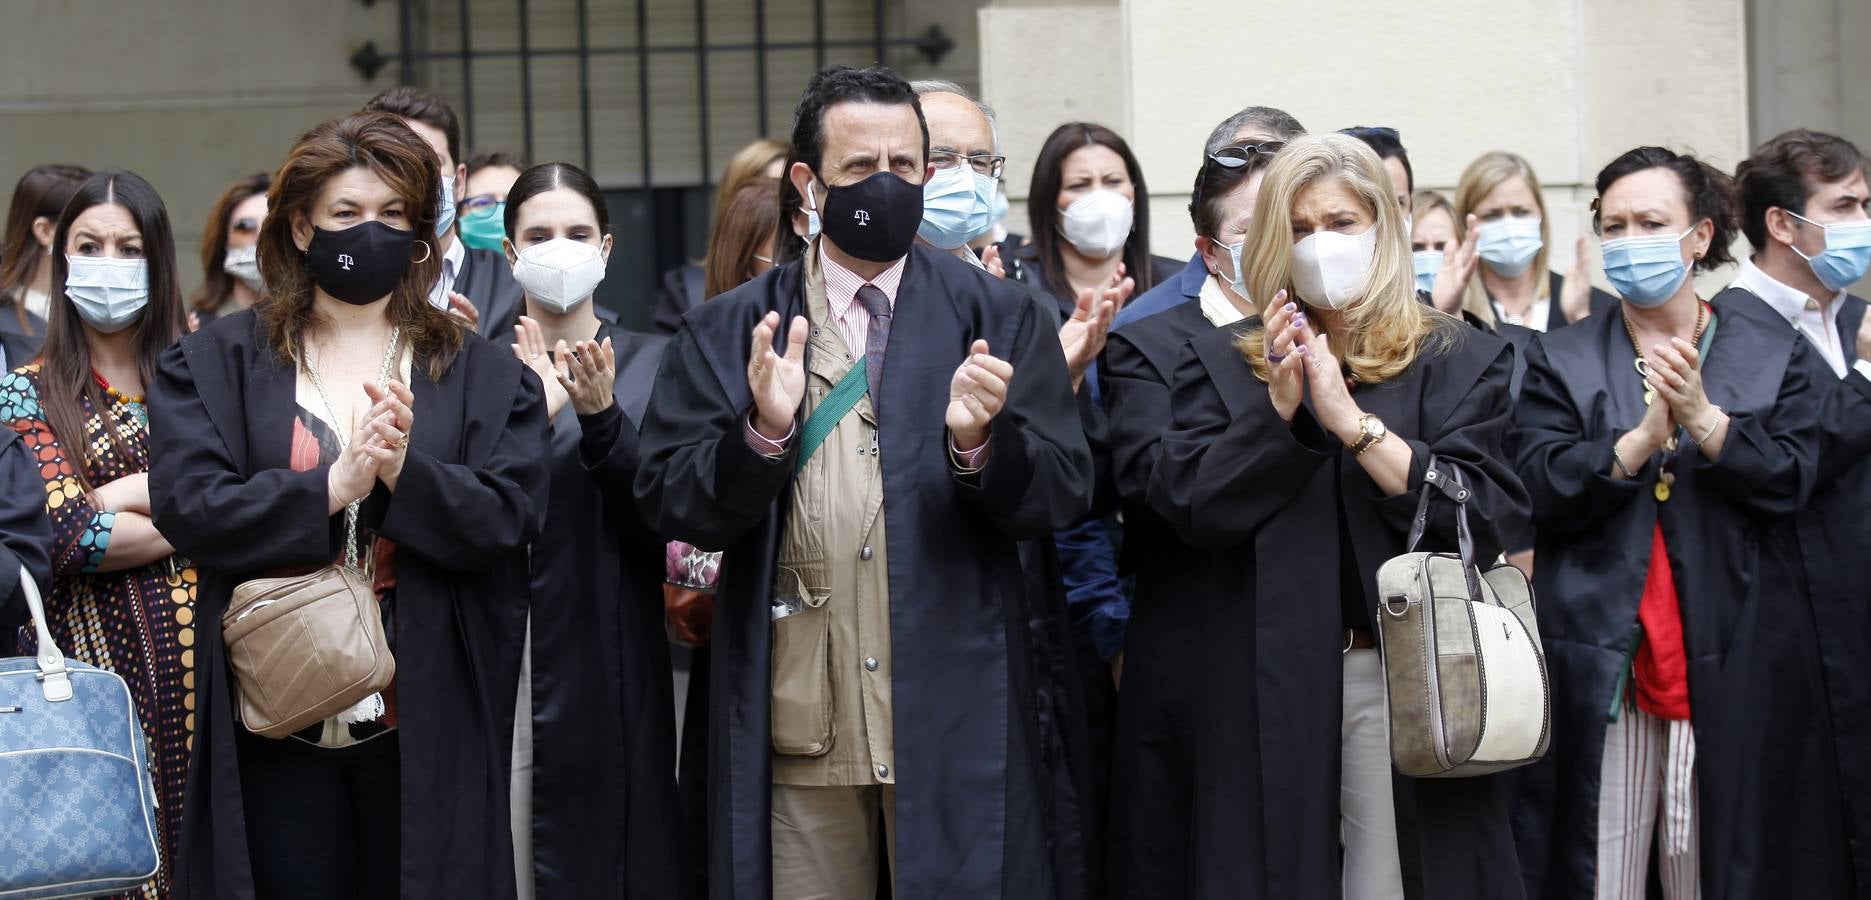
point(1706, 434)
point(1622, 468)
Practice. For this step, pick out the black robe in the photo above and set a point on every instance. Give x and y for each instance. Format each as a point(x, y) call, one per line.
point(25, 535)
point(969, 816)
point(470, 500)
point(604, 729)
point(1166, 683)
point(1582, 392)
point(1819, 758)
point(1265, 497)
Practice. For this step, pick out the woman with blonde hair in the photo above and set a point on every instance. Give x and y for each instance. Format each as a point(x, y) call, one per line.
point(1306, 434)
point(1500, 194)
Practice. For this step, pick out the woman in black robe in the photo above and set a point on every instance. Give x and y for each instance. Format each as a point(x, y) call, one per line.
point(604, 805)
point(268, 426)
point(1660, 444)
point(1302, 499)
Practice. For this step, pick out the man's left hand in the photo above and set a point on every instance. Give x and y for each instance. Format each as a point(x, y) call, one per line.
point(976, 395)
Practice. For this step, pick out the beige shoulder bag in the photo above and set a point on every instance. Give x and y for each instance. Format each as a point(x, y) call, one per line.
point(306, 648)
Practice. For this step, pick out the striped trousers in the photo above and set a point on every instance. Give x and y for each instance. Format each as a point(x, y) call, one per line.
point(1647, 799)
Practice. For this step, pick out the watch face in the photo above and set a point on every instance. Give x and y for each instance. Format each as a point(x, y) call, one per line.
point(1374, 427)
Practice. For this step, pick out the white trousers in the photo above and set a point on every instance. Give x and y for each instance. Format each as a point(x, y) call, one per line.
point(1367, 813)
point(521, 787)
point(1647, 798)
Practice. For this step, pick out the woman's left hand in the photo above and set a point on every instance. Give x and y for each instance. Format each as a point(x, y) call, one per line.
point(1331, 398)
point(588, 373)
point(391, 432)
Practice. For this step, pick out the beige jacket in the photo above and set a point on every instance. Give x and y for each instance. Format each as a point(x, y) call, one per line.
point(831, 661)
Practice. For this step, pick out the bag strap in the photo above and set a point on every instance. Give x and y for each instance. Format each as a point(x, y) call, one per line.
point(1448, 480)
point(54, 682)
point(826, 416)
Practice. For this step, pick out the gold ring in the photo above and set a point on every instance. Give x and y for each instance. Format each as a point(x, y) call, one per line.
point(400, 443)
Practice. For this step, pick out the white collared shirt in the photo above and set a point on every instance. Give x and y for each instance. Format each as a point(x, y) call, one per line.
point(1817, 322)
point(1216, 307)
point(1538, 316)
point(38, 303)
point(451, 267)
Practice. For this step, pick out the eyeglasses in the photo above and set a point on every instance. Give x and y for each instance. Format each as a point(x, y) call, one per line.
point(478, 202)
point(246, 225)
point(1231, 157)
point(1364, 132)
point(983, 164)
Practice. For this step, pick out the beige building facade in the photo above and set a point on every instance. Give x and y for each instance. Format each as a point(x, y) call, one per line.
point(1567, 84)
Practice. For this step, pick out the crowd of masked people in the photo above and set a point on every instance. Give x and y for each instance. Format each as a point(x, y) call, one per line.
point(1064, 586)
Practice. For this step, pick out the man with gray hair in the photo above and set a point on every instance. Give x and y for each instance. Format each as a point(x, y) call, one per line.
point(1254, 124)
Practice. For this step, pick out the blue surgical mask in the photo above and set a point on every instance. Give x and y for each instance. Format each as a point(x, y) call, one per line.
point(1427, 263)
point(1000, 203)
point(1509, 245)
point(445, 216)
point(109, 292)
point(1847, 254)
point(1646, 270)
point(958, 206)
point(812, 225)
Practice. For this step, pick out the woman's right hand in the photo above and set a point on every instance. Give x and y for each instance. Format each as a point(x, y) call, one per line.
point(1286, 334)
point(355, 473)
point(530, 348)
point(1636, 447)
point(1458, 267)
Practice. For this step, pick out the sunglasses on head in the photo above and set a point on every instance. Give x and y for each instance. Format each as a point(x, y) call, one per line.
point(1235, 156)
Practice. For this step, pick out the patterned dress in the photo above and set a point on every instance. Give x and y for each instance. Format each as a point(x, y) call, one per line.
point(138, 622)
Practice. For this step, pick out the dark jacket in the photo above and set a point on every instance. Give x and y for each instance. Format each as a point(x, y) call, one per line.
point(1581, 393)
point(469, 501)
point(971, 818)
point(1165, 691)
point(681, 291)
point(604, 730)
point(1819, 757)
point(1232, 478)
point(25, 534)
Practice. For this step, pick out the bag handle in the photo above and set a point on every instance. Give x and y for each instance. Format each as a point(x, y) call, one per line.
point(56, 684)
point(1448, 480)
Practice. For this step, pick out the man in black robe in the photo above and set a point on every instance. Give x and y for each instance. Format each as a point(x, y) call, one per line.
point(1796, 191)
point(477, 286)
point(873, 568)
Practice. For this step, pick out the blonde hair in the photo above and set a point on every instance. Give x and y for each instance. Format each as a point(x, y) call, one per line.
point(1480, 179)
point(1382, 331)
point(747, 166)
point(1424, 202)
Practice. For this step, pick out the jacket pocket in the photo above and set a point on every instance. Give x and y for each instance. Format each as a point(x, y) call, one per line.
point(802, 691)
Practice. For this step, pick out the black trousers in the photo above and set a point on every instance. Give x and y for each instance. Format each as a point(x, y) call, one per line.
point(321, 822)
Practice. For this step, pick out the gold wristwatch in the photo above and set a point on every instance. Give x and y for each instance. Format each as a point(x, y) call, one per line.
point(1374, 431)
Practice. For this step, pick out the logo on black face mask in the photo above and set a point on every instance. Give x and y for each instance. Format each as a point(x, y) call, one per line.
point(345, 260)
point(863, 218)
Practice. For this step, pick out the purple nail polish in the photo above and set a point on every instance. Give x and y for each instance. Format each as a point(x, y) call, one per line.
point(1302, 350)
point(1290, 307)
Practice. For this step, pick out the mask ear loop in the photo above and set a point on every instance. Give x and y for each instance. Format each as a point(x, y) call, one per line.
point(427, 252)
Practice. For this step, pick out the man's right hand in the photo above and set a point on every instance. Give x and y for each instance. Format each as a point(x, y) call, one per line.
point(778, 383)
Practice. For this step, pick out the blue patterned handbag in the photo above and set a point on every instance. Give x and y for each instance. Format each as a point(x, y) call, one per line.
point(77, 807)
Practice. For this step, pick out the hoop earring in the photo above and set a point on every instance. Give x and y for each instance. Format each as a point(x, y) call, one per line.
point(426, 253)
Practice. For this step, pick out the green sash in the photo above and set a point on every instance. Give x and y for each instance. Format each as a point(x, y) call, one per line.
point(825, 416)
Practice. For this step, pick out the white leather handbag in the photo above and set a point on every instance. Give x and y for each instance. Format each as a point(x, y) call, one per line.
point(1464, 671)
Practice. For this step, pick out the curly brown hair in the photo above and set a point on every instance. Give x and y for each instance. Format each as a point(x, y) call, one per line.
point(381, 143)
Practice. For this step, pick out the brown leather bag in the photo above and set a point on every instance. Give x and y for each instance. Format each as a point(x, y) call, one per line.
point(306, 648)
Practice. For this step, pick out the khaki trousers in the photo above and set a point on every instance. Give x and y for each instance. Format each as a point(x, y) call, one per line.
point(825, 840)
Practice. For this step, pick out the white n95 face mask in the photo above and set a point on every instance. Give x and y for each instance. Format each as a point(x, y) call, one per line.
point(1330, 269)
point(110, 292)
point(244, 263)
point(1098, 223)
point(560, 273)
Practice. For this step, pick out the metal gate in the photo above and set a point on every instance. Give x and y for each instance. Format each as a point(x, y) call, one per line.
point(564, 80)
